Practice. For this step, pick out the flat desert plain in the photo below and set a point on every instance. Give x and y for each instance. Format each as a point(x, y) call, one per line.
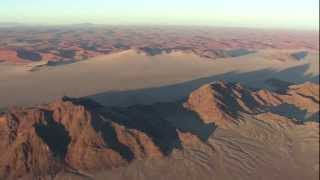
point(141, 79)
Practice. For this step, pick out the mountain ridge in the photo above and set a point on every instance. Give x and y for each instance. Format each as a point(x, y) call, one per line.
point(80, 136)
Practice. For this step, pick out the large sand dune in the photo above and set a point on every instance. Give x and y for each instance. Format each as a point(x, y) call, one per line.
point(128, 71)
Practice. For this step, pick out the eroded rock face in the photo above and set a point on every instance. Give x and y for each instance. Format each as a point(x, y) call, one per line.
point(72, 135)
point(222, 102)
point(80, 137)
point(22, 148)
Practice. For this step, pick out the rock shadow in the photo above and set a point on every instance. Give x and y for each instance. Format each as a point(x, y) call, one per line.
point(148, 121)
point(54, 135)
point(176, 92)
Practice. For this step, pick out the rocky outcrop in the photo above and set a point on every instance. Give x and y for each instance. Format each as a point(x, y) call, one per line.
point(80, 137)
point(75, 135)
point(222, 103)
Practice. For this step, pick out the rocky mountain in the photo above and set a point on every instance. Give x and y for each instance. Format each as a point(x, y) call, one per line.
point(78, 137)
point(222, 103)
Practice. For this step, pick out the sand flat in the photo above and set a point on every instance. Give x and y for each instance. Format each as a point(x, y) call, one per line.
point(129, 70)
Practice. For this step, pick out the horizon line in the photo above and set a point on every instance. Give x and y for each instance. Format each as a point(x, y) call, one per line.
point(12, 24)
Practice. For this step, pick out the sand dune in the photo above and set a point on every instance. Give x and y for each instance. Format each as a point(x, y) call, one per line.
point(130, 70)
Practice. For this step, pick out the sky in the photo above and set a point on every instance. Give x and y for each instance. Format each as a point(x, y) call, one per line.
point(298, 14)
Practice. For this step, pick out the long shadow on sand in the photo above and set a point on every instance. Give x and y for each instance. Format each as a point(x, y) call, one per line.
point(176, 92)
point(166, 103)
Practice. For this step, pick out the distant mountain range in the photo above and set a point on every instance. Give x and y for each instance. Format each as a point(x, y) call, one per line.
point(83, 41)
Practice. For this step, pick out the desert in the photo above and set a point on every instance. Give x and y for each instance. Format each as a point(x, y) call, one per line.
point(91, 102)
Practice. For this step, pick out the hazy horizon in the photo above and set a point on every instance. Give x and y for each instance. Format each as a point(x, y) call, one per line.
point(285, 14)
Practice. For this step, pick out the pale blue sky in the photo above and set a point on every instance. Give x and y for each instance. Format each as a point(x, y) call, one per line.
point(302, 14)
